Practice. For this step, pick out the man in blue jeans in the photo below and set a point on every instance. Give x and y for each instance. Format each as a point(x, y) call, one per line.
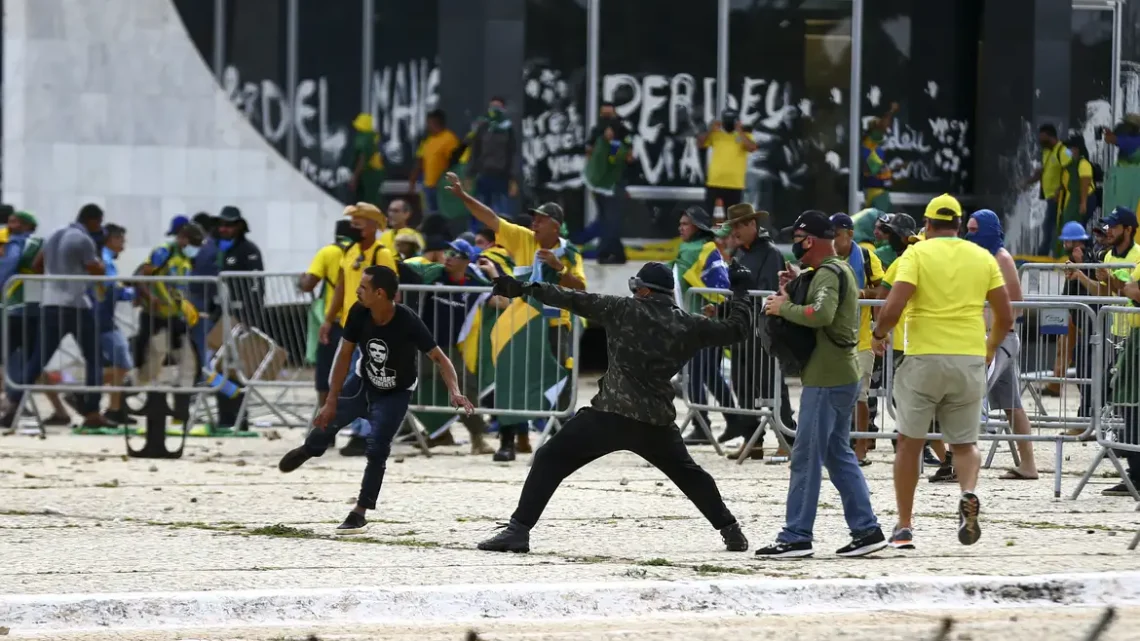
point(391, 337)
point(830, 389)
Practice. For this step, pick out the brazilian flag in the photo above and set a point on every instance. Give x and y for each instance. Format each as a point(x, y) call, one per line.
point(527, 374)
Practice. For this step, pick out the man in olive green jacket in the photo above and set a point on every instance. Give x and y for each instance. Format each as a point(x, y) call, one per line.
point(830, 387)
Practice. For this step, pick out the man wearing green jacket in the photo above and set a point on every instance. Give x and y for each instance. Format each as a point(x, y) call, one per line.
point(830, 387)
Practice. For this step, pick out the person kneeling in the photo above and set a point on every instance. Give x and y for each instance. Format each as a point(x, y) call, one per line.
point(380, 388)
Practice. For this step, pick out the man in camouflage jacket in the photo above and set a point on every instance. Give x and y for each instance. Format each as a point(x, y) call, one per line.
point(648, 340)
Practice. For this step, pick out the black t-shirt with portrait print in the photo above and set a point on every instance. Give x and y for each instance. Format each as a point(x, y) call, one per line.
point(389, 353)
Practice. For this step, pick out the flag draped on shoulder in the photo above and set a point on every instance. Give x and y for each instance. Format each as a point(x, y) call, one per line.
point(528, 377)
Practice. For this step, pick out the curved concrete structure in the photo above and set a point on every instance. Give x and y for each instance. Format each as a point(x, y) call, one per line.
point(110, 102)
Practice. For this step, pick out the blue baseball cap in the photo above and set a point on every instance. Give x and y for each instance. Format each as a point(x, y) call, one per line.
point(177, 223)
point(1073, 231)
point(842, 221)
point(1120, 216)
point(463, 248)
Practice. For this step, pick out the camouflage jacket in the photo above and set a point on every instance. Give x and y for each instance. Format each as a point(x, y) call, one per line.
point(648, 340)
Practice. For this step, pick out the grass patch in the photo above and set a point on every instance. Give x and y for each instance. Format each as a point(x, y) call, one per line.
point(658, 563)
point(705, 568)
point(589, 559)
point(111, 483)
point(281, 530)
point(412, 543)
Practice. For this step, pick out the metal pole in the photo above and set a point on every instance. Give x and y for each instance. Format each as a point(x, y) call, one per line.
point(855, 104)
point(593, 79)
point(368, 36)
point(219, 38)
point(1117, 98)
point(721, 55)
point(291, 37)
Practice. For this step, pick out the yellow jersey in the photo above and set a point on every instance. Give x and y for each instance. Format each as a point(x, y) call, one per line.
point(520, 242)
point(435, 155)
point(729, 161)
point(326, 266)
point(353, 263)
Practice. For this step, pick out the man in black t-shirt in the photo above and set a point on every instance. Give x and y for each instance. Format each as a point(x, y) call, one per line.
point(390, 337)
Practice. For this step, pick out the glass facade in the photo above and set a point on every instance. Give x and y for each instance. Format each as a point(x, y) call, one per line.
point(255, 66)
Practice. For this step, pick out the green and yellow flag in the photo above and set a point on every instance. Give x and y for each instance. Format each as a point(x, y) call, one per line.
point(527, 374)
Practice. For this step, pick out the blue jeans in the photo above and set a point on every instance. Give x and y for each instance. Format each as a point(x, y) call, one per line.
point(385, 413)
point(359, 427)
point(55, 324)
point(431, 199)
point(1049, 227)
point(609, 233)
point(492, 191)
point(823, 437)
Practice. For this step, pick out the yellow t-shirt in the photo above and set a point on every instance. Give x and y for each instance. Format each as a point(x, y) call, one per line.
point(388, 238)
point(435, 152)
point(4, 235)
point(520, 242)
point(865, 311)
point(1084, 170)
point(1052, 162)
point(951, 277)
point(354, 263)
point(326, 266)
point(1122, 324)
point(729, 161)
point(898, 334)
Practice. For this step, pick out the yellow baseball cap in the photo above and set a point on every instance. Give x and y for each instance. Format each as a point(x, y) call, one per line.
point(945, 201)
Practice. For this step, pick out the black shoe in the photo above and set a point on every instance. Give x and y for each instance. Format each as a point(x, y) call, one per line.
point(357, 446)
point(293, 459)
point(119, 417)
point(864, 545)
point(730, 433)
point(968, 509)
point(1119, 489)
point(504, 455)
point(353, 524)
point(945, 474)
point(780, 550)
point(513, 537)
point(734, 539)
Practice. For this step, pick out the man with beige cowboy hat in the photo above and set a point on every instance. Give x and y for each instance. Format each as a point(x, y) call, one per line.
point(753, 370)
point(366, 252)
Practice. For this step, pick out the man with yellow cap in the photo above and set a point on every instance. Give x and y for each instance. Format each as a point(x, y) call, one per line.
point(944, 283)
point(367, 163)
point(366, 252)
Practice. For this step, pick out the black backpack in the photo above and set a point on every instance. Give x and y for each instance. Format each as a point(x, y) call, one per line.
point(793, 344)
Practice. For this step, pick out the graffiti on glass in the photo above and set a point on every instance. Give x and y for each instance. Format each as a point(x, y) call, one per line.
point(553, 131)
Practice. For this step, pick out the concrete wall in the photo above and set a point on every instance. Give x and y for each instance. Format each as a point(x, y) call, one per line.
point(109, 102)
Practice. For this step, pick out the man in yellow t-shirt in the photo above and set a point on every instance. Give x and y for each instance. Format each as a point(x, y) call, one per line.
point(728, 162)
point(1054, 158)
point(433, 158)
point(946, 282)
point(540, 253)
point(868, 270)
point(325, 271)
point(366, 252)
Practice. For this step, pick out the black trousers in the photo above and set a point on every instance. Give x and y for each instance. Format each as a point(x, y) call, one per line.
point(590, 435)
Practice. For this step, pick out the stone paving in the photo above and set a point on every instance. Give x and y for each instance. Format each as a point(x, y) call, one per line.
point(78, 517)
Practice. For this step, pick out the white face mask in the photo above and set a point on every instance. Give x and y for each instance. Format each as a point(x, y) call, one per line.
point(190, 251)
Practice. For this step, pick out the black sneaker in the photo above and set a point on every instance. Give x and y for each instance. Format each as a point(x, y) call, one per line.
point(734, 539)
point(512, 537)
point(781, 550)
point(354, 523)
point(944, 474)
point(504, 455)
point(968, 529)
point(356, 446)
point(902, 538)
point(293, 459)
point(1120, 489)
point(864, 545)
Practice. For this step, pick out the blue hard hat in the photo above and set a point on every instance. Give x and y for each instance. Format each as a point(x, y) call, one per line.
point(1074, 231)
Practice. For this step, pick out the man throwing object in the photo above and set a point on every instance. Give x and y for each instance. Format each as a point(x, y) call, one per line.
point(648, 339)
point(390, 336)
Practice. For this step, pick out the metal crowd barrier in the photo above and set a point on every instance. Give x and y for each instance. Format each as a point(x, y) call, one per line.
point(511, 362)
point(1049, 329)
point(1049, 279)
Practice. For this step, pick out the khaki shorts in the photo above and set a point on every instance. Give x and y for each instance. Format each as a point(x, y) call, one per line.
point(866, 366)
point(949, 388)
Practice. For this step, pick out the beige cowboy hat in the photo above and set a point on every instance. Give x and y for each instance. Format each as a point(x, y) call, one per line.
point(367, 211)
point(742, 213)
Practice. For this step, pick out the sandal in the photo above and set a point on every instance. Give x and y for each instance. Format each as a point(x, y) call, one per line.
point(1015, 475)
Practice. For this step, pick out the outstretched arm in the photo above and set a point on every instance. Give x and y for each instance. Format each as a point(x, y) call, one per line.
point(716, 332)
point(592, 306)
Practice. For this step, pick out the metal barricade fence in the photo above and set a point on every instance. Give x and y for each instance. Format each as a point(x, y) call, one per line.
point(44, 313)
point(271, 344)
point(750, 394)
point(514, 359)
point(1118, 417)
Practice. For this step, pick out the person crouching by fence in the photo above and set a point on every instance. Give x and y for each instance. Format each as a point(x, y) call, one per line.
point(167, 313)
point(67, 310)
point(831, 379)
point(390, 335)
point(944, 281)
point(447, 314)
